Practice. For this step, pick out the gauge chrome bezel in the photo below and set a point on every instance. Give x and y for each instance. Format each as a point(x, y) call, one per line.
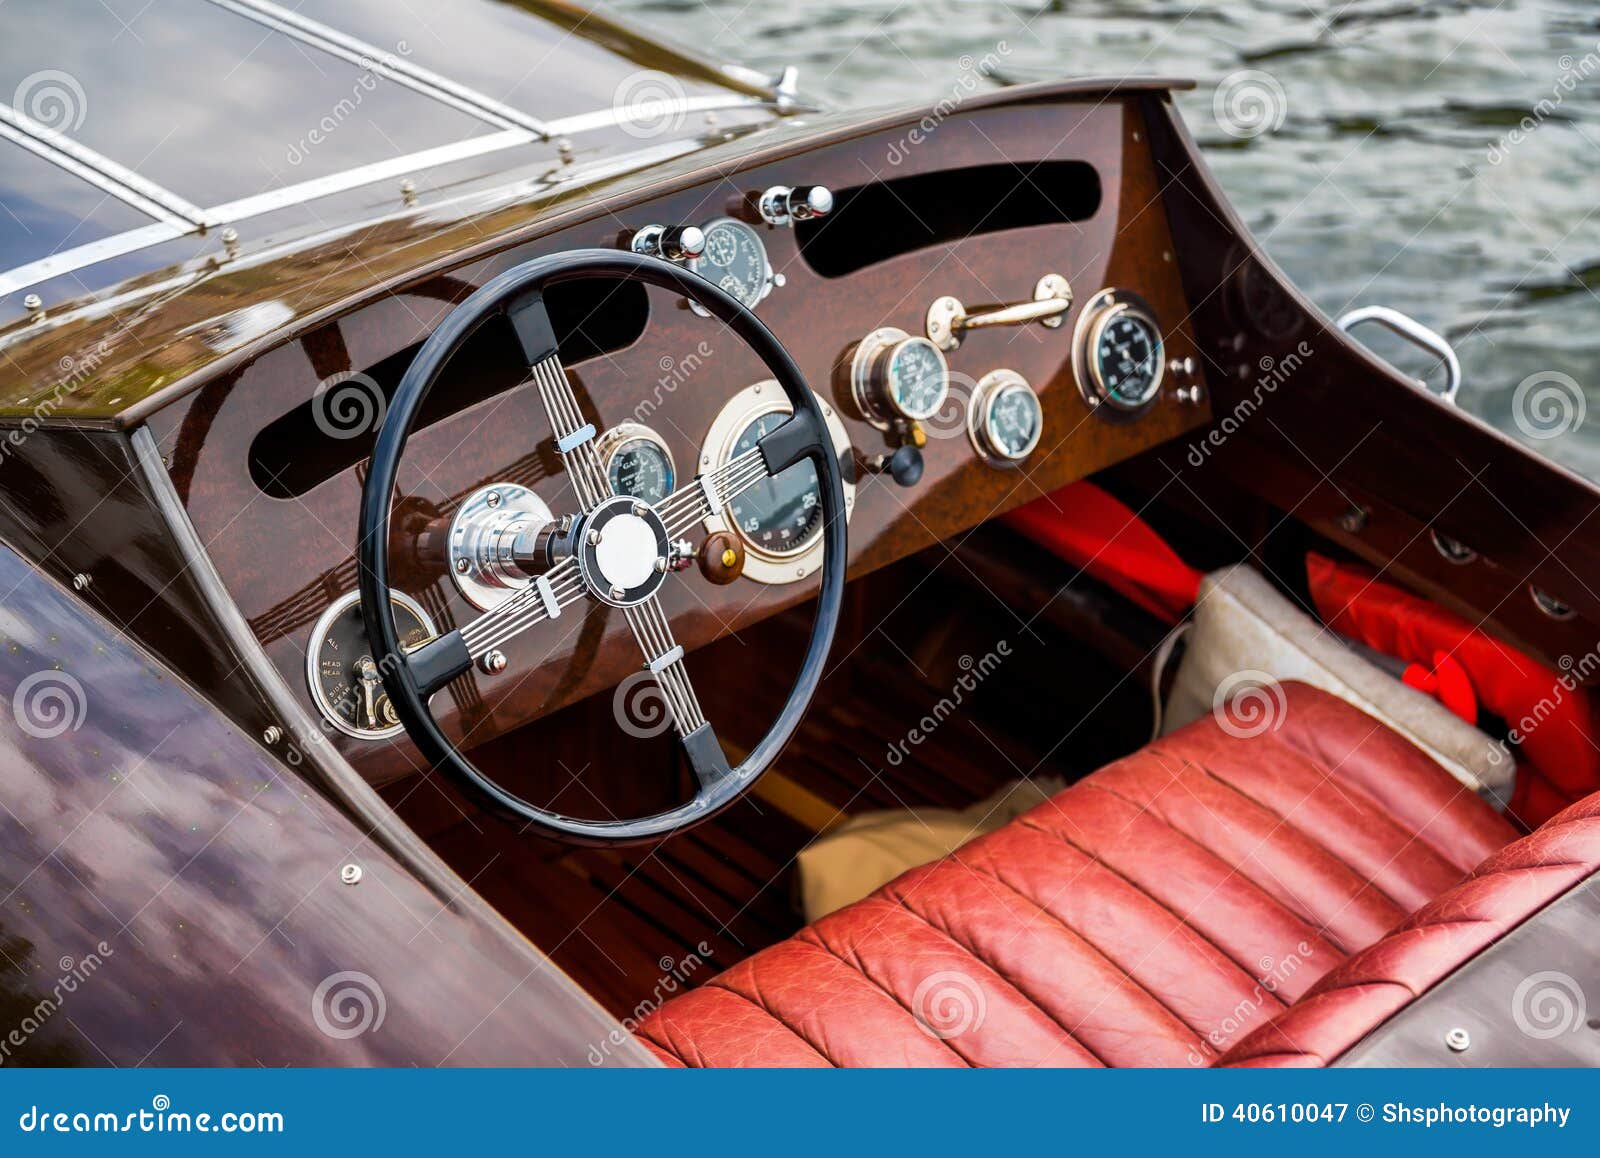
point(878, 347)
point(1098, 312)
point(319, 632)
point(988, 445)
point(620, 435)
point(753, 402)
point(768, 279)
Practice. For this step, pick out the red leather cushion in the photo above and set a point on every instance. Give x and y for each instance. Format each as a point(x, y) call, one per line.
point(1155, 913)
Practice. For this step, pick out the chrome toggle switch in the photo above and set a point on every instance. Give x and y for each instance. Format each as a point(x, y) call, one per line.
point(673, 242)
point(786, 204)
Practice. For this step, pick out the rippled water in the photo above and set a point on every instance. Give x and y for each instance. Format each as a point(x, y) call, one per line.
point(1399, 173)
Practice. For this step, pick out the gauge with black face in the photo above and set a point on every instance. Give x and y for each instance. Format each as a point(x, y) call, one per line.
point(345, 682)
point(918, 378)
point(780, 515)
point(1005, 418)
point(735, 260)
point(1125, 357)
point(637, 462)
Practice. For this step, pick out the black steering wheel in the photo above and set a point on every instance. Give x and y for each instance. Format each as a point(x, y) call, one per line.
point(615, 549)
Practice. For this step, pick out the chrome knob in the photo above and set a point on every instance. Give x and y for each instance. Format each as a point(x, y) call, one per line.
point(673, 242)
point(896, 377)
point(786, 204)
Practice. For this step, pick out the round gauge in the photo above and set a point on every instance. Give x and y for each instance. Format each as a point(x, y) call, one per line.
point(917, 378)
point(1006, 419)
point(637, 462)
point(1118, 353)
point(735, 260)
point(782, 515)
point(345, 682)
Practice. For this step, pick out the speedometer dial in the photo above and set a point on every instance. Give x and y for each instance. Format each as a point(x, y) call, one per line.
point(344, 679)
point(1118, 354)
point(735, 260)
point(780, 515)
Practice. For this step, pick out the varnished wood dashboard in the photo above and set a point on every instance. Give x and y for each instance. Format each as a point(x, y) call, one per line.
point(282, 534)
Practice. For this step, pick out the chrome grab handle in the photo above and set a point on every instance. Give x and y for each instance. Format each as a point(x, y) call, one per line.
point(1418, 335)
point(948, 319)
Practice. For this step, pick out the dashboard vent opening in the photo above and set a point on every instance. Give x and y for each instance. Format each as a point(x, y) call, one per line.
point(294, 454)
point(876, 222)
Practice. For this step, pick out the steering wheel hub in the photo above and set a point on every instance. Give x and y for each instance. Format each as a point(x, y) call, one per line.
point(623, 551)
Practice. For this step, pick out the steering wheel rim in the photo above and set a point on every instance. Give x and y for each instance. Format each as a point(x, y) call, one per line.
point(516, 296)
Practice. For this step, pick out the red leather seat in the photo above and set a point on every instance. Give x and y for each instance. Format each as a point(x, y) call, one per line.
point(1210, 899)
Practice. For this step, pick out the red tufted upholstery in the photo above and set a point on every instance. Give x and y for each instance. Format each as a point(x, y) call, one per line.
point(1209, 896)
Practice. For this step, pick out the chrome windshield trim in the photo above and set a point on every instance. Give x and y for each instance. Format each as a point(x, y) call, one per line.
point(384, 63)
point(290, 195)
point(99, 170)
point(651, 112)
point(93, 253)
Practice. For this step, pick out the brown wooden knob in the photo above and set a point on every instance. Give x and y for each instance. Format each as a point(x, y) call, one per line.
point(721, 557)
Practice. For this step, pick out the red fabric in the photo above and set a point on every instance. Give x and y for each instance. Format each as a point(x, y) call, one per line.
point(1155, 913)
point(1553, 717)
point(1447, 680)
point(1099, 534)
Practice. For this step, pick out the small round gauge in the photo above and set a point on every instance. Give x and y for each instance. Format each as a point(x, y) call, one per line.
point(735, 260)
point(345, 682)
point(637, 462)
point(1005, 419)
point(895, 376)
point(781, 515)
point(1118, 353)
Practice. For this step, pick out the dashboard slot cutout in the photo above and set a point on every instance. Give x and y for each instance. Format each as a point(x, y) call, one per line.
point(296, 453)
point(885, 219)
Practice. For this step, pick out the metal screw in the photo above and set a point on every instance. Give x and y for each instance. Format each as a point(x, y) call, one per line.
point(463, 565)
point(1354, 520)
point(661, 565)
point(1458, 1039)
point(494, 662)
point(81, 582)
point(350, 874)
point(779, 281)
point(618, 593)
point(594, 537)
point(272, 734)
point(33, 302)
point(492, 499)
point(230, 241)
point(640, 510)
point(408, 191)
point(564, 148)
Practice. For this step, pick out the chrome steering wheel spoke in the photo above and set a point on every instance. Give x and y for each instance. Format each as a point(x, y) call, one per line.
point(711, 492)
point(575, 437)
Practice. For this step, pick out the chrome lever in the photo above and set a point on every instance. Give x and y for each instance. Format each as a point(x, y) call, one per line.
point(948, 319)
point(1418, 335)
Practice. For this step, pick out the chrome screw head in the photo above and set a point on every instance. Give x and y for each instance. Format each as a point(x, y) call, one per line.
point(33, 302)
point(492, 499)
point(594, 537)
point(1458, 1039)
point(661, 565)
point(463, 565)
point(271, 734)
point(618, 593)
point(640, 510)
point(351, 874)
point(80, 582)
point(494, 662)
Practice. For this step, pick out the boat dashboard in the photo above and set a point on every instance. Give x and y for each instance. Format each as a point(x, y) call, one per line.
point(987, 306)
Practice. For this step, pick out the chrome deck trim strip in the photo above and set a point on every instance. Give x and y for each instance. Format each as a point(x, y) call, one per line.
point(384, 63)
point(107, 248)
point(99, 170)
point(651, 111)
